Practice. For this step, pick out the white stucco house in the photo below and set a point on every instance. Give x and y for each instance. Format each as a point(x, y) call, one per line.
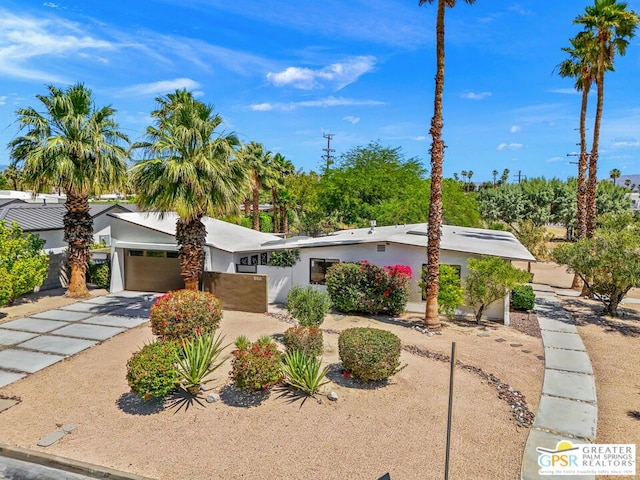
point(144, 252)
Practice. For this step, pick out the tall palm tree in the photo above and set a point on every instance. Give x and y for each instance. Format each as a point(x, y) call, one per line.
point(612, 24)
point(627, 183)
point(581, 65)
point(74, 146)
point(13, 175)
point(257, 162)
point(614, 175)
point(432, 319)
point(188, 168)
point(495, 176)
point(281, 168)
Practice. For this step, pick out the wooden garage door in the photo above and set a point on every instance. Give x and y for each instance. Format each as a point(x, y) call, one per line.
point(152, 271)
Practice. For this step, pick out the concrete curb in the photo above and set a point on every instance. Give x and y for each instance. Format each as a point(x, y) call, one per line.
point(66, 464)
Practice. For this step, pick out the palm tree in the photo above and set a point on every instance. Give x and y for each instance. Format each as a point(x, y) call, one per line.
point(257, 162)
point(627, 183)
point(581, 65)
point(77, 147)
point(614, 174)
point(13, 175)
point(281, 168)
point(188, 168)
point(495, 176)
point(432, 319)
point(612, 24)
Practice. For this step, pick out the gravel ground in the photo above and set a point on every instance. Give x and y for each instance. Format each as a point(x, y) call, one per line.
point(396, 428)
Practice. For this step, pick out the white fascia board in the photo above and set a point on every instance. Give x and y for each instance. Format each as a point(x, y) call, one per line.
point(172, 247)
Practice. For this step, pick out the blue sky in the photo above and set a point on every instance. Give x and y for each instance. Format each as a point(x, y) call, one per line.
point(283, 73)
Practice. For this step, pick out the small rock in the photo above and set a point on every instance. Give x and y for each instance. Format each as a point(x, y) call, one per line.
point(333, 396)
point(213, 397)
point(500, 340)
point(484, 334)
point(515, 345)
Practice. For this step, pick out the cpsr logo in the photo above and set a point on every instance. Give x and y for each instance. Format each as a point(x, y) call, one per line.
point(587, 459)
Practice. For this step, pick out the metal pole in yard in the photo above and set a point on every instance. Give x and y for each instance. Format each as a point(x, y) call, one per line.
point(453, 368)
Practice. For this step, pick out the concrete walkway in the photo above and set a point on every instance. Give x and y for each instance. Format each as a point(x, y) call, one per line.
point(32, 343)
point(568, 408)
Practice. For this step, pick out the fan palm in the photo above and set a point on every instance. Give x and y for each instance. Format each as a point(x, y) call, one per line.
point(258, 163)
point(76, 147)
point(612, 24)
point(432, 319)
point(281, 168)
point(188, 168)
point(614, 175)
point(581, 65)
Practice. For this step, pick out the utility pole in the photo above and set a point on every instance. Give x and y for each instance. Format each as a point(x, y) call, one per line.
point(327, 155)
point(520, 176)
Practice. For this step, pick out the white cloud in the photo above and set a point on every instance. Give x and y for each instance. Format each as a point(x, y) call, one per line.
point(351, 119)
point(515, 129)
point(565, 91)
point(556, 159)
point(3, 99)
point(323, 103)
point(338, 75)
point(261, 107)
point(50, 5)
point(625, 143)
point(421, 138)
point(161, 87)
point(475, 96)
point(25, 40)
point(509, 146)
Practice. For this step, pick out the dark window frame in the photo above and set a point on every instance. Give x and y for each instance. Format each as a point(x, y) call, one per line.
point(324, 263)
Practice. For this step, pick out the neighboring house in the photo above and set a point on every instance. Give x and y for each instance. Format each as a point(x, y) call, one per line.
point(29, 197)
point(144, 252)
point(46, 220)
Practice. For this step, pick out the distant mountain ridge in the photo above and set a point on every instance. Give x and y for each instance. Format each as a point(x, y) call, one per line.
point(635, 180)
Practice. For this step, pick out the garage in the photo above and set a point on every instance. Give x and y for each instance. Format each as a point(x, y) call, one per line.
point(152, 271)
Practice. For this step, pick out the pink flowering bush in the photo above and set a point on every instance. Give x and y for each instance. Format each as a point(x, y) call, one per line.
point(364, 287)
point(185, 313)
point(257, 365)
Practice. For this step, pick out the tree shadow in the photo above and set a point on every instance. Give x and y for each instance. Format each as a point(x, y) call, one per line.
point(135, 405)
point(586, 313)
point(235, 397)
point(635, 414)
point(338, 375)
point(180, 399)
point(292, 395)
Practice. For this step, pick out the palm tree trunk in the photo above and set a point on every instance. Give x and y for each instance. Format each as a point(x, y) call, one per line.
point(191, 237)
point(432, 318)
point(247, 206)
point(78, 233)
point(274, 200)
point(255, 194)
point(582, 167)
point(284, 216)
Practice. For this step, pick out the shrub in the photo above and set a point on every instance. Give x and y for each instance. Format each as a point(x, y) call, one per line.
point(23, 264)
point(151, 372)
point(303, 372)
point(368, 288)
point(257, 365)
point(369, 353)
point(308, 305)
point(343, 281)
point(450, 293)
point(185, 313)
point(99, 274)
point(284, 258)
point(305, 339)
point(196, 360)
point(523, 298)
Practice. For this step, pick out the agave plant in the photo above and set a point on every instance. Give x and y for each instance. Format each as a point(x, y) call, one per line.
point(197, 360)
point(303, 372)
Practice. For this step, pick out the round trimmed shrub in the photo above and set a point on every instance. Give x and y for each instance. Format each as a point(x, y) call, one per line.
point(99, 274)
point(523, 298)
point(185, 313)
point(151, 371)
point(370, 354)
point(257, 365)
point(305, 339)
point(308, 305)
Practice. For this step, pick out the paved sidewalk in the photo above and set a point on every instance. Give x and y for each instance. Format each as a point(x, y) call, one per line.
point(568, 408)
point(30, 344)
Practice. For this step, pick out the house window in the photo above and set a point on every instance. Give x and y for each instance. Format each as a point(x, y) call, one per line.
point(381, 248)
point(154, 253)
point(136, 253)
point(318, 269)
point(246, 268)
point(172, 254)
point(424, 277)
